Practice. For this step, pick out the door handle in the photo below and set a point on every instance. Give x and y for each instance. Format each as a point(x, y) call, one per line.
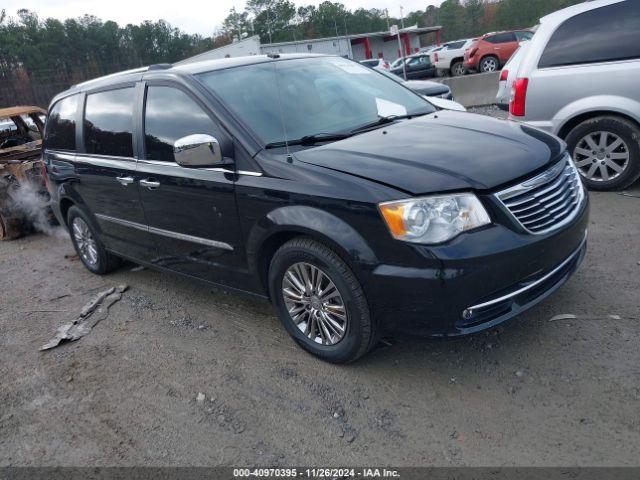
point(150, 184)
point(125, 180)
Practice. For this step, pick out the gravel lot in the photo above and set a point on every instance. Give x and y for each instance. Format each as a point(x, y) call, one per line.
point(538, 391)
point(490, 110)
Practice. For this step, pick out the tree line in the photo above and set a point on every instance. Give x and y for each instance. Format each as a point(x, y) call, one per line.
point(282, 21)
point(50, 47)
point(39, 56)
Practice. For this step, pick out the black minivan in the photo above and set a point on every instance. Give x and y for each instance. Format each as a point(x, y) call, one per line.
point(349, 201)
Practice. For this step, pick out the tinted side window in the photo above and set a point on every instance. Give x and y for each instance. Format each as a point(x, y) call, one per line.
point(502, 38)
point(171, 114)
point(61, 125)
point(456, 45)
point(108, 123)
point(600, 35)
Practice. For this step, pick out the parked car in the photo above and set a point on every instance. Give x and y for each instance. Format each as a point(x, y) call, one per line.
point(438, 94)
point(508, 76)
point(578, 81)
point(423, 87)
point(417, 66)
point(346, 199)
point(433, 51)
point(450, 60)
point(493, 50)
point(396, 63)
point(380, 63)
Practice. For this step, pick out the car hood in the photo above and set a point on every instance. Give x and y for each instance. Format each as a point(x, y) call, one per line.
point(425, 87)
point(441, 152)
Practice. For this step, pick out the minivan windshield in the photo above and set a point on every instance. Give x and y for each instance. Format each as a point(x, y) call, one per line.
point(318, 97)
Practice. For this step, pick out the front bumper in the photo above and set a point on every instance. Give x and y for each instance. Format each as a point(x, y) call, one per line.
point(475, 282)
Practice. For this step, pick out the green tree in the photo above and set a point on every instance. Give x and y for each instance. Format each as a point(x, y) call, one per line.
point(236, 25)
point(451, 16)
point(272, 18)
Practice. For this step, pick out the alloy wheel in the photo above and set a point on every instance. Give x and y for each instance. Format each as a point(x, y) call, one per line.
point(87, 247)
point(314, 303)
point(601, 156)
point(458, 70)
point(489, 65)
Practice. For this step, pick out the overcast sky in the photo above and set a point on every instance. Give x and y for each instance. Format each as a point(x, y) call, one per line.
point(192, 16)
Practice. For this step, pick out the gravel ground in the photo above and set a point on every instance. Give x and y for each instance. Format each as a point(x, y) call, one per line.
point(178, 374)
point(490, 110)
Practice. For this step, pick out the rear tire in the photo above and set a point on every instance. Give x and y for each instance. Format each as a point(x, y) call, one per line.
point(358, 334)
point(489, 64)
point(606, 151)
point(457, 69)
point(87, 243)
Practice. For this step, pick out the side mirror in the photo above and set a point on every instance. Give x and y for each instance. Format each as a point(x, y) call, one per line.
point(198, 150)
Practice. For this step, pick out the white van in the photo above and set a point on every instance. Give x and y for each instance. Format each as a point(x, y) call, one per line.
point(578, 79)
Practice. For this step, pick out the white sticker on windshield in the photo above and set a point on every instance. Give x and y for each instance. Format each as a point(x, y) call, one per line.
point(387, 108)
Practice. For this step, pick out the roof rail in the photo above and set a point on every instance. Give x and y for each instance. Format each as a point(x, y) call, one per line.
point(160, 66)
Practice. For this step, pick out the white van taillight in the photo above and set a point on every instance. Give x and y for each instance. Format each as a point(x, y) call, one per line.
point(518, 97)
point(504, 75)
point(436, 57)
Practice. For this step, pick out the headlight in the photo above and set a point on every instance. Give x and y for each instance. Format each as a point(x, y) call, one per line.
point(434, 219)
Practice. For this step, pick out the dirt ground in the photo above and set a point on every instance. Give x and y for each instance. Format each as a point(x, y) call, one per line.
point(538, 391)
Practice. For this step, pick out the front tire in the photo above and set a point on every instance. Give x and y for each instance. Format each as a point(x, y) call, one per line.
point(320, 302)
point(606, 151)
point(87, 244)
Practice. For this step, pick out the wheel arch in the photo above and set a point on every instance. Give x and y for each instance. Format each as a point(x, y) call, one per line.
point(286, 223)
point(573, 122)
point(65, 204)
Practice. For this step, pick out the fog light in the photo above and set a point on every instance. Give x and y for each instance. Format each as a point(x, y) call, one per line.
point(467, 314)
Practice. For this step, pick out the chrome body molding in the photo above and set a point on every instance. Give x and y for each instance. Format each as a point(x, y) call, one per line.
point(114, 161)
point(71, 157)
point(469, 311)
point(206, 169)
point(166, 233)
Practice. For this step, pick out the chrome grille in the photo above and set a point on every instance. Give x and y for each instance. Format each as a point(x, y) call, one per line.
point(546, 201)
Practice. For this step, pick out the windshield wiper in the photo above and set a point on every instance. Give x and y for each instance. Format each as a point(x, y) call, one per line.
point(384, 120)
point(330, 137)
point(311, 139)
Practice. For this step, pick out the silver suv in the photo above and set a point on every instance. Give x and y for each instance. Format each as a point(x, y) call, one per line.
point(579, 80)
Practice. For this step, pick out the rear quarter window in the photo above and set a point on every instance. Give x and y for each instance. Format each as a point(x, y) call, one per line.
point(108, 123)
point(603, 34)
point(61, 125)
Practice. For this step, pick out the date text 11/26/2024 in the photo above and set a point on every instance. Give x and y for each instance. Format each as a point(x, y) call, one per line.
point(315, 473)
